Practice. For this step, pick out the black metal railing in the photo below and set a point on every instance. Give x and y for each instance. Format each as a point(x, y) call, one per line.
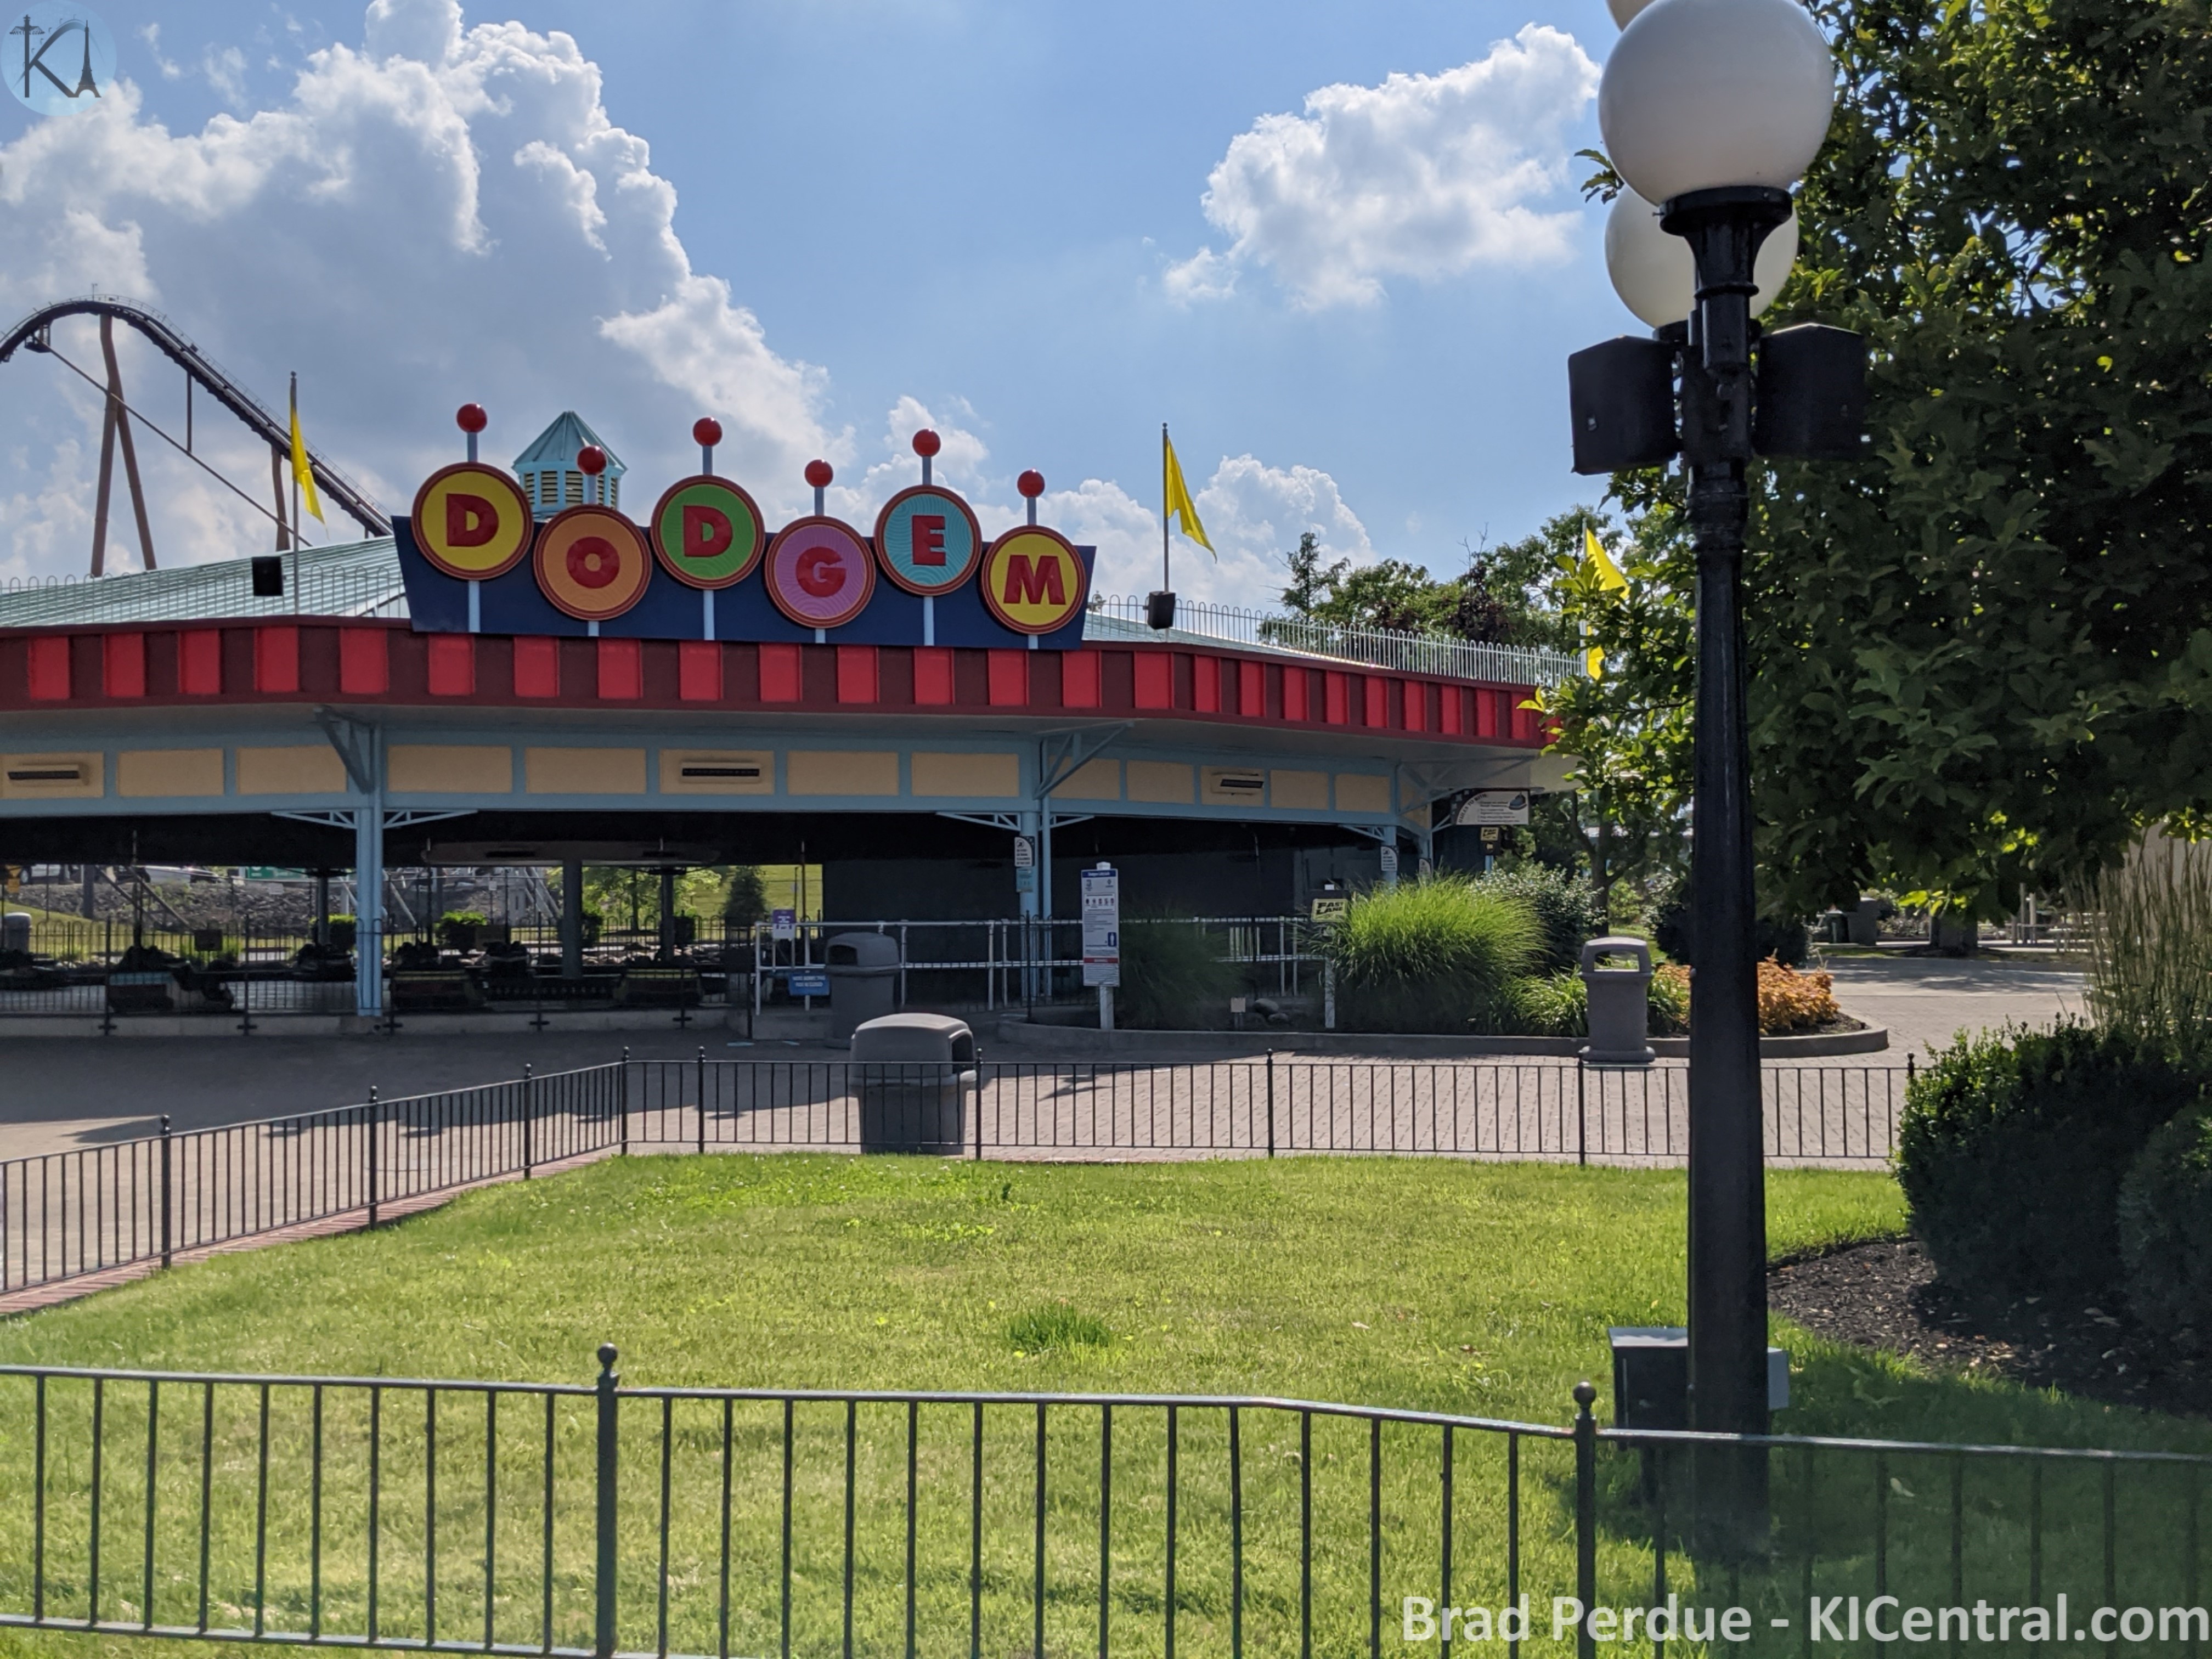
point(593, 1520)
point(68, 1214)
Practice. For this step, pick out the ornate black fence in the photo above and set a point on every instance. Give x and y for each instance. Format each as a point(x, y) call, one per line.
point(67, 1214)
point(590, 1520)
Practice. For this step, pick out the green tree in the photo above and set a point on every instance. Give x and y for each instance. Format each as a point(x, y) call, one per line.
point(1977, 655)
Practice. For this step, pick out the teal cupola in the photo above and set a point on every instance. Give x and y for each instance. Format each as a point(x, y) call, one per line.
point(550, 477)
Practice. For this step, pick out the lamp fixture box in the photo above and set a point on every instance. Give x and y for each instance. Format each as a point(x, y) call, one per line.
point(1651, 1376)
point(1811, 393)
point(1620, 393)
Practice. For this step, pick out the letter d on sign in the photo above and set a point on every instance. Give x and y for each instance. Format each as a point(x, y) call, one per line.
point(471, 520)
point(1420, 1618)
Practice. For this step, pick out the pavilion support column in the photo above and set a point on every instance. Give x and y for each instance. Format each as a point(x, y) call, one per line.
point(572, 919)
point(368, 903)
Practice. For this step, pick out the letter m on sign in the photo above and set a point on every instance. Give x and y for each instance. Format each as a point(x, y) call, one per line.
point(1038, 583)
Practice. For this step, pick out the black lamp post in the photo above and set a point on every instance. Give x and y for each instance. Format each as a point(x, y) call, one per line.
point(1712, 109)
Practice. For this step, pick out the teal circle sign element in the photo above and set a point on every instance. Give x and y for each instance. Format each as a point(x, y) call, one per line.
point(927, 540)
point(58, 58)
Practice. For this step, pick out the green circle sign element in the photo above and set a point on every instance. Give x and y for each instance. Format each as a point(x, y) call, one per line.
point(706, 532)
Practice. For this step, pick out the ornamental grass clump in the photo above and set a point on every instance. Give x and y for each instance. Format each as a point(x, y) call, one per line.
point(1173, 978)
point(1436, 954)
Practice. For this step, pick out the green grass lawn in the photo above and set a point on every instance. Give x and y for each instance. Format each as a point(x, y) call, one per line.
point(1468, 1288)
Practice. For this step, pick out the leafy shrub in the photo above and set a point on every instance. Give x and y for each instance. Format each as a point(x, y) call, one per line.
point(458, 929)
point(1173, 978)
point(1566, 911)
point(2013, 1145)
point(1056, 1325)
point(1551, 1004)
point(2166, 1230)
point(1429, 956)
point(1670, 999)
point(1791, 1001)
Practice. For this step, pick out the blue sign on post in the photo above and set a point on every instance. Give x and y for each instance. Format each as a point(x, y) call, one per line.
point(809, 983)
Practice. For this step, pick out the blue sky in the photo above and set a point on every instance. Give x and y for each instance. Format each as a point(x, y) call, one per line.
point(979, 210)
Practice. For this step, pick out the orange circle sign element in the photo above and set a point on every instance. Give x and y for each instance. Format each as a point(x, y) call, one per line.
point(592, 563)
point(472, 521)
point(1034, 582)
point(819, 572)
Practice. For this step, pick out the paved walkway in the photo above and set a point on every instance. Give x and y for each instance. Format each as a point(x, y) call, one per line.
point(1926, 1000)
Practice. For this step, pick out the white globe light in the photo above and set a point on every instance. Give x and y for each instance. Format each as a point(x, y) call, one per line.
point(1702, 94)
point(1657, 276)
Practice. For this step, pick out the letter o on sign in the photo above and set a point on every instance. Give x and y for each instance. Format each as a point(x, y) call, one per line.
point(819, 572)
point(1034, 582)
point(592, 563)
point(472, 521)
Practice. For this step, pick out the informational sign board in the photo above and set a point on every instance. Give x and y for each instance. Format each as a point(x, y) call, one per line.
point(809, 983)
point(1331, 909)
point(1101, 926)
point(1024, 853)
point(1389, 862)
point(1494, 806)
point(783, 924)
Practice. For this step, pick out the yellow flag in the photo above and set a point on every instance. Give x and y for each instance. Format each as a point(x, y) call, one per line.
point(1609, 579)
point(1179, 506)
point(302, 473)
point(1594, 660)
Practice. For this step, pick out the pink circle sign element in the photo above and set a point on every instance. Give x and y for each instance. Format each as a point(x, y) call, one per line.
point(819, 573)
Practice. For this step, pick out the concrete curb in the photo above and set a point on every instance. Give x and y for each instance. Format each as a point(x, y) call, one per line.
point(1021, 1033)
point(225, 1023)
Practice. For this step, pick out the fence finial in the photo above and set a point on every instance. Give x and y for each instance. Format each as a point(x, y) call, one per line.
point(608, 1355)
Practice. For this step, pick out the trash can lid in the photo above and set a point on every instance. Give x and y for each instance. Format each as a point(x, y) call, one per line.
point(850, 950)
point(1621, 944)
point(914, 1037)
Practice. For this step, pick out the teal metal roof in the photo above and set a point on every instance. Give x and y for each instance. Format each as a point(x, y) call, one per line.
point(556, 446)
point(351, 579)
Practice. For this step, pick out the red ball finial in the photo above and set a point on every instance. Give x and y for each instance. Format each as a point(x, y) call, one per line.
point(707, 431)
point(593, 459)
point(819, 473)
point(926, 443)
point(471, 418)
point(1030, 483)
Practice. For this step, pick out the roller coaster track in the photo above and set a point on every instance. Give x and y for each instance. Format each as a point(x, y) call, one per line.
point(33, 332)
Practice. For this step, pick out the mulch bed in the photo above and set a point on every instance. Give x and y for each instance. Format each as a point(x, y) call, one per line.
point(1884, 1295)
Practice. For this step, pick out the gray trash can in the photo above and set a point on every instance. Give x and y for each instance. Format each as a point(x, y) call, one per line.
point(15, 931)
point(914, 1073)
point(1619, 1003)
point(863, 981)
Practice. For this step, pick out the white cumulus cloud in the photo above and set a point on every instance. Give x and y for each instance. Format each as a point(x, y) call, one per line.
point(448, 212)
point(1424, 176)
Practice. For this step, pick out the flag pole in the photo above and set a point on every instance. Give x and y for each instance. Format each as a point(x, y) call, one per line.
point(1167, 582)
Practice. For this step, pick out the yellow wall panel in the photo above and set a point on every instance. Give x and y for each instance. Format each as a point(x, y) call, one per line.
point(159, 772)
point(1299, 792)
point(1362, 791)
point(53, 777)
point(450, 769)
point(717, 772)
point(1164, 781)
point(841, 772)
point(1094, 779)
point(998, 776)
point(301, 770)
point(584, 771)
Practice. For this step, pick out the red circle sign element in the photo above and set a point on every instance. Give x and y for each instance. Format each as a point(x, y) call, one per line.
point(592, 563)
point(472, 521)
point(819, 573)
point(707, 532)
point(1033, 580)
